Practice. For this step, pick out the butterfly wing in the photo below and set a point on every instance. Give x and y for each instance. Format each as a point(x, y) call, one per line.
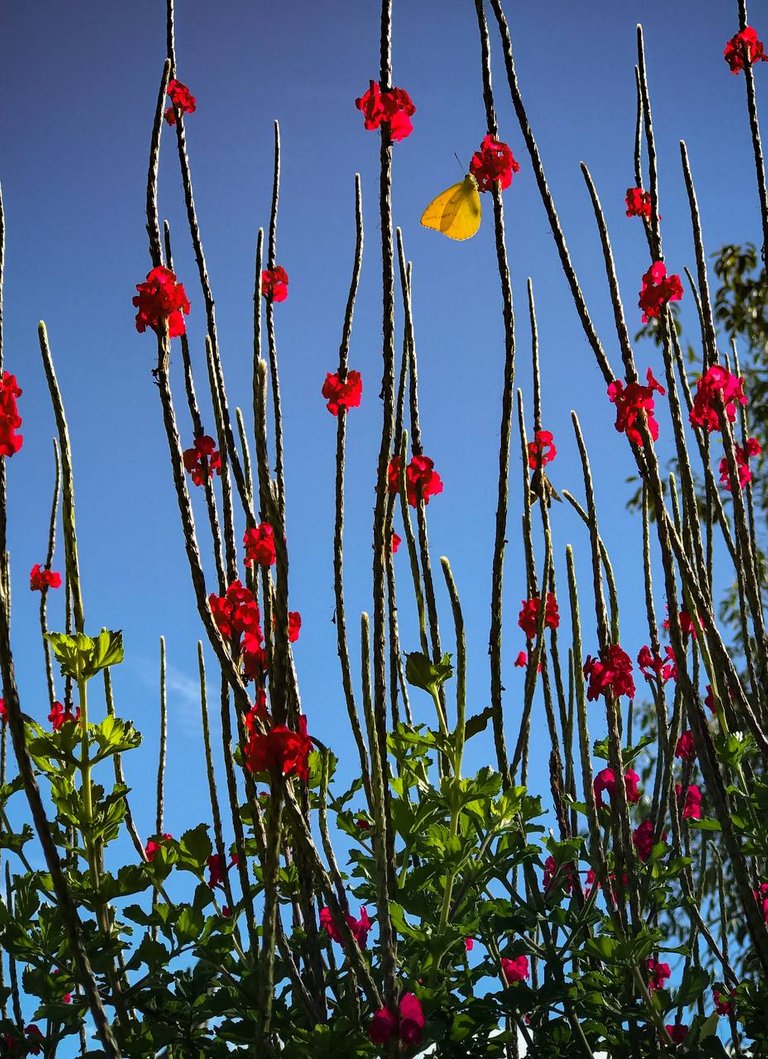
point(456, 212)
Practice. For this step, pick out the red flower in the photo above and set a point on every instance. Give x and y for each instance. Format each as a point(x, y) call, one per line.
point(182, 99)
point(638, 203)
point(362, 824)
point(469, 944)
point(10, 420)
point(41, 577)
point(395, 541)
point(717, 388)
point(658, 973)
point(260, 545)
point(522, 660)
point(394, 107)
point(614, 674)
point(528, 618)
point(686, 748)
point(421, 481)
point(408, 1024)
point(155, 845)
point(678, 1032)
point(274, 284)
point(541, 450)
point(60, 715)
point(161, 300)
point(761, 896)
point(34, 1040)
point(280, 750)
point(66, 998)
point(492, 164)
point(340, 394)
point(294, 625)
point(723, 1002)
point(743, 455)
point(202, 460)
point(634, 403)
point(605, 780)
point(658, 290)
point(359, 927)
point(651, 664)
point(643, 839)
point(744, 48)
point(692, 807)
point(3, 712)
point(687, 624)
point(515, 969)
point(238, 619)
point(218, 870)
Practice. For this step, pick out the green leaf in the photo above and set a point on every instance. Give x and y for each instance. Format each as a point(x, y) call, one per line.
point(695, 981)
point(196, 844)
point(189, 924)
point(478, 722)
point(81, 657)
point(422, 673)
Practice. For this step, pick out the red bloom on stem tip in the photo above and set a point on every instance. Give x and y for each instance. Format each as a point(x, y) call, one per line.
point(515, 969)
point(408, 1024)
point(493, 163)
point(658, 973)
point(155, 845)
point(10, 420)
point(652, 665)
point(522, 660)
point(359, 927)
point(395, 541)
point(614, 674)
point(41, 577)
point(658, 290)
point(686, 748)
point(394, 107)
point(260, 545)
point(638, 203)
point(421, 480)
point(238, 619)
point(743, 48)
point(3, 711)
point(723, 1002)
point(634, 403)
point(541, 450)
point(60, 715)
point(182, 101)
point(161, 301)
point(528, 618)
point(202, 460)
point(340, 394)
point(678, 1032)
point(605, 780)
point(294, 625)
point(692, 806)
point(717, 388)
point(643, 838)
point(280, 750)
point(274, 284)
point(687, 624)
point(743, 454)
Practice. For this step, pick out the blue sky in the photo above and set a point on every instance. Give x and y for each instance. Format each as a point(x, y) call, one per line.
point(77, 91)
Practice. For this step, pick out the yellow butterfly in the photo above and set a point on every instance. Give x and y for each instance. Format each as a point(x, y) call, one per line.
point(456, 212)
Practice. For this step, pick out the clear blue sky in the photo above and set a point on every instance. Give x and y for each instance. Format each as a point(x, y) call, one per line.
point(78, 84)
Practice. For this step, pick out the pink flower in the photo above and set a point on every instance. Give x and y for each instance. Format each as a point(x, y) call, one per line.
point(658, 973)
point(686, 747)
point(606, 781)
point(408, 1024)
point(359, 927)
point(469, 944)
point(658, 290)
point(692, 806)
point(154, 846)
point(716, 389)
point(643, 839)
point(613, 673)
point(515, 969)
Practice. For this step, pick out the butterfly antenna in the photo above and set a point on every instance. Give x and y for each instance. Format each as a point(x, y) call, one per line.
point(461, 165)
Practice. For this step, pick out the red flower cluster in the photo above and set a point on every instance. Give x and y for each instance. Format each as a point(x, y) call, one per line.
point(658, 290)
point(652, 665)
point(421, 480)
point(613, 673)
point(154, 845)
point(60, 715)
point(274, 284)
point(638, 203)
point(238, 619)
point(515, 969)
point(692, 806)
point(407, 1024)
point(10, 420)
point(359, 927)
point(160, 301)
point(744, 48)
point(643, 839)
point(394, 107)
point(686, 747)
point(182, 101)
point(541, 450)
point(743, 454)
point(280, 750)
point(202, 460)
point(40, 577)
point(687, 624)
point(605, 780)
point(340, 394)
point(658, 973)
point(633, 404)
point(528, 618)
point(717, 388)
point(678, 1032)
point(492, 164)
point(260, 545)
point(723, 1002)
point(218, 870)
